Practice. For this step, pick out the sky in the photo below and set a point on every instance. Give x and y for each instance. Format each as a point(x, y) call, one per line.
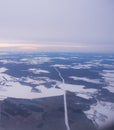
point(57, 25)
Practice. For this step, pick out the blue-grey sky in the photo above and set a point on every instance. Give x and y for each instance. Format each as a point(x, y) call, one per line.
point(86, 25)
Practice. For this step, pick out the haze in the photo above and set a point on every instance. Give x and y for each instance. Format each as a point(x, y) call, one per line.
point(69, 25)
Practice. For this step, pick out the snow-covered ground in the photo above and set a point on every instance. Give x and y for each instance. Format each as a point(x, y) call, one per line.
point(32, 61)
point(35, 60)
point(96, 81)
point(11, 87)
point(61, 66)
point(109, 78)
point(101, 113)
point(37, 71)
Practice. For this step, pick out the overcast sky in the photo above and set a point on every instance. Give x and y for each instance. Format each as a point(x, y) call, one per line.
point(85, 25)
